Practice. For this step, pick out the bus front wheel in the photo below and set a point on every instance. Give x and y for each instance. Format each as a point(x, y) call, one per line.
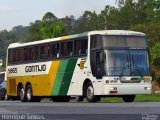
point(128, 98)
point(89, 93)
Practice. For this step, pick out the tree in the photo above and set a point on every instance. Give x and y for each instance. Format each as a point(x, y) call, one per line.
point(49, 17)
point(87, 22)
point(34, 31)
point(155, 50)
point(108, 18)
point(58, 28)
point(68, 25)
point(48, 27)
point(152, 31)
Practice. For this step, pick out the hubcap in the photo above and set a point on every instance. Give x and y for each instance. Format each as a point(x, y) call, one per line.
point(29, 94)
point(22, 93)
point(90, 92)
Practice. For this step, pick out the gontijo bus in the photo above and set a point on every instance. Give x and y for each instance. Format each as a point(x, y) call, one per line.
point(92, 64)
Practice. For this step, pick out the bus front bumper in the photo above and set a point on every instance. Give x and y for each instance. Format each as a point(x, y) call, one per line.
point(128, 89)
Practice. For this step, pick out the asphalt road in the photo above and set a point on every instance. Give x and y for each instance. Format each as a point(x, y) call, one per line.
point(15, 110)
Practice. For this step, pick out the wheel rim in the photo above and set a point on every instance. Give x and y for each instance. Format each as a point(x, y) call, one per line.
point(22, 94)
point(90, 92)
point(29, 94)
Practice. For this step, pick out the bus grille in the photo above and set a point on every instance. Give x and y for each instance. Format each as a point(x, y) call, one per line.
point(130, 81)
point(12, 86)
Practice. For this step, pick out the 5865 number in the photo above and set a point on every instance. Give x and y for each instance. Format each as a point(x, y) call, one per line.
point(12, 70)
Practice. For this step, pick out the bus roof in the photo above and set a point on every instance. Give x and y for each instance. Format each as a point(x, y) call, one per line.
point(85, 34)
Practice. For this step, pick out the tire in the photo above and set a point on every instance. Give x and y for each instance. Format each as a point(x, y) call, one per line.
point(79, 98)
point(61, 99)
point(22, 94)
point(128, 98)
point(29, 93)
point(89, 93)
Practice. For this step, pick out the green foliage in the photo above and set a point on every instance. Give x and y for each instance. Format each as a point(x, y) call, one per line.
point(49, 17)
point(87, 22)
point(152, 31)
point(155, 54)
point(139, 98)
point(49, 27)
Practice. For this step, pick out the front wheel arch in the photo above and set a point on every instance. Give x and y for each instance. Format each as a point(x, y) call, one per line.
point(84, 85)
point(88, 92)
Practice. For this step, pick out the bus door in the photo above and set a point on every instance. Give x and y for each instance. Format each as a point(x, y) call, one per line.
point(99, 57)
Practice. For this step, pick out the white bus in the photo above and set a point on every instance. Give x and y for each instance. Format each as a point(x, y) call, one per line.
point(89, 65)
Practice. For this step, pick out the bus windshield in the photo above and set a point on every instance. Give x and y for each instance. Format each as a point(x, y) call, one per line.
point(126, 62)
point(116, 41)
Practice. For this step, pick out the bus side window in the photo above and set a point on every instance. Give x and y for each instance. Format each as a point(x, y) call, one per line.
point(36, 55)
point(77, 47)
point(31, 53)
point(49, 55)
point(21, 54)
point(63, 49)
point(54, 52)
point(69, 48)
point(42, 52)
point(18, 55)
point(57, 50)
point(14, 55)
point(84, 46)
point(80, 47)
point(10, 55)
point(26, 54)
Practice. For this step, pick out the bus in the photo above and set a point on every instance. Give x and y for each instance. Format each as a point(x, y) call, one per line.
point(89, 65)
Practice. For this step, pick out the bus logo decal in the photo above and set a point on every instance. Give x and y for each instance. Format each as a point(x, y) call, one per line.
point(81, 64)
point(35, 68)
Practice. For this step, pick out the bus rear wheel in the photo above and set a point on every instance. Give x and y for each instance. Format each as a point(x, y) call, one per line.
point(89, 93)
point(128, 98)
point(22, 94)
point(29, 95)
